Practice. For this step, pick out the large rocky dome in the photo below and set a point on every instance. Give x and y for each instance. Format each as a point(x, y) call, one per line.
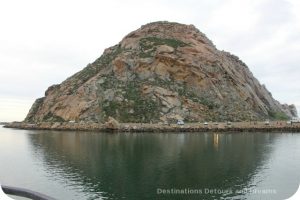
point(163, 71)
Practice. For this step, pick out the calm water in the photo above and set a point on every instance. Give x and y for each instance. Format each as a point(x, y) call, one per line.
point(71, 165)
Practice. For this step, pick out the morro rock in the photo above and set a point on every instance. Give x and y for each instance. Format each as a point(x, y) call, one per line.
point(161, 72)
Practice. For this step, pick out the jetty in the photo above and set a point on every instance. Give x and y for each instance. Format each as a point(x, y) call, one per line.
point(272, 126)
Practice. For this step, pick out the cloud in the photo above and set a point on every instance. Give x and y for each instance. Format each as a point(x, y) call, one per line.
point(44, 42)
point(13, 109)
point(265, 35)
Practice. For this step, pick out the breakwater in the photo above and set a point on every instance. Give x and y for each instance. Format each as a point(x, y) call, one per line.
point(277, 126)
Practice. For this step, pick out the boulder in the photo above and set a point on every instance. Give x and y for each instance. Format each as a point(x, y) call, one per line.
point(112, 123)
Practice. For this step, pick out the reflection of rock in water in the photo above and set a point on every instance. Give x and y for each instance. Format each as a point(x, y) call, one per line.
point(135, 165)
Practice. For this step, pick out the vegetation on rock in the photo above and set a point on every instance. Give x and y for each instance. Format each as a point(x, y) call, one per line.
point(161, 72)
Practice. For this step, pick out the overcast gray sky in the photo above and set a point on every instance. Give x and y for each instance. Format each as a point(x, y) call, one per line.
point(44, 42)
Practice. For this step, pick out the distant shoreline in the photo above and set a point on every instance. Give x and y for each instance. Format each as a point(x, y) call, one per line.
point(274, 126)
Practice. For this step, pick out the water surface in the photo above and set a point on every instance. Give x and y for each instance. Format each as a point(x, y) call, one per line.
point(80, 165)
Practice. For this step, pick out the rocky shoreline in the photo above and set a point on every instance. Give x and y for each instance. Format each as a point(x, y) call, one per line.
point(276, 126)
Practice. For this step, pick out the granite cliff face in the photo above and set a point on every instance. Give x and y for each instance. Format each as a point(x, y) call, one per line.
point(161, 72)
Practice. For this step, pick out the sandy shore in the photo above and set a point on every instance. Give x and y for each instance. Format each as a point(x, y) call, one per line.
point(273, 126)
